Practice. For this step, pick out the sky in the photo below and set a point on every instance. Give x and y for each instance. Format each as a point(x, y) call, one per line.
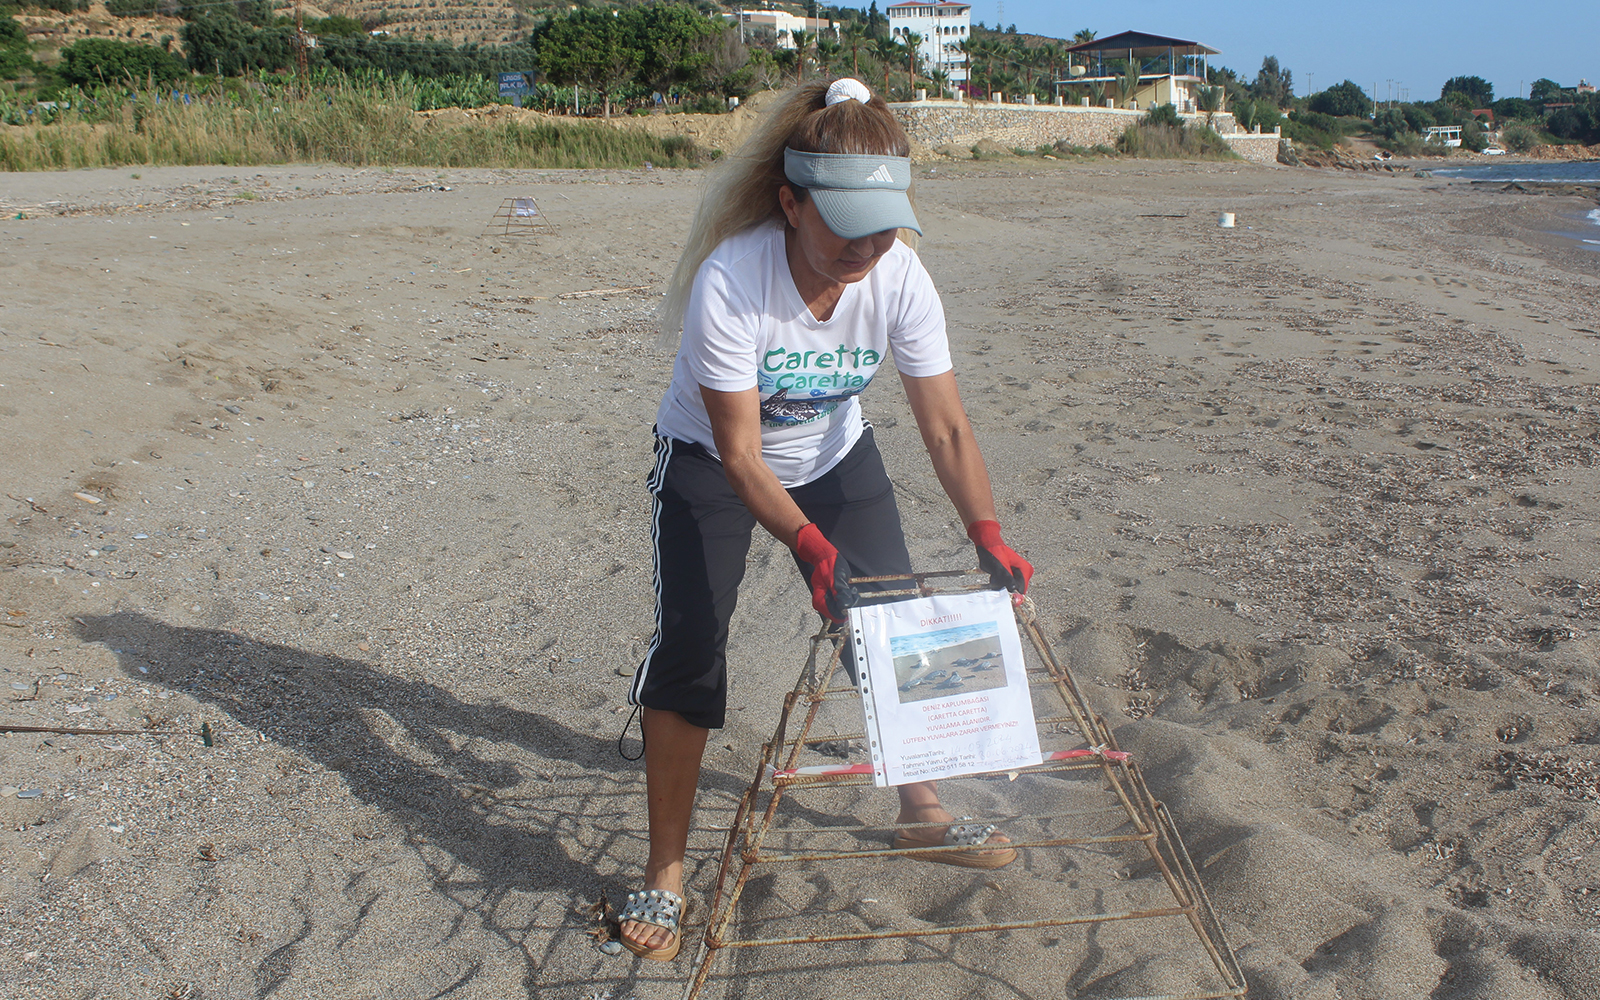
point(1417, 44)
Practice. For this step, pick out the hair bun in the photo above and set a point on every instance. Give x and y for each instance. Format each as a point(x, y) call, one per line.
point(848, 89)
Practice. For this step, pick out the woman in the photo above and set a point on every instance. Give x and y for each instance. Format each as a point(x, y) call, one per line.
point(791, 292)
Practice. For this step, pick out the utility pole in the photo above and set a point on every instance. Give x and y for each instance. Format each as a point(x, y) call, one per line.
point(300, 46)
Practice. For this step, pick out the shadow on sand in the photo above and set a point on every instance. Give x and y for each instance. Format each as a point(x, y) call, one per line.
point(498, 839)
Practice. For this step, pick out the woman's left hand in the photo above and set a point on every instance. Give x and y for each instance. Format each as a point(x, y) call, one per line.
point(1005, 567)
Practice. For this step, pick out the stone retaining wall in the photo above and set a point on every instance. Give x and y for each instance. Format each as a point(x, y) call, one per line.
point(1257, 148)
point(940, 123)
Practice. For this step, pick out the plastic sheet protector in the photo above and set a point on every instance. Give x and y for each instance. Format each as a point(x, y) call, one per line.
point(944, 686)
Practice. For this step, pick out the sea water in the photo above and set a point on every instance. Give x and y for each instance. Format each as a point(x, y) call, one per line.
point(1566, 172)
point(1563, 172)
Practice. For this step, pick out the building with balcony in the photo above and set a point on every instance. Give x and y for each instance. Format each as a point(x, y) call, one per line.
point(1171, 70)
point(943, 27)
point(782, 24)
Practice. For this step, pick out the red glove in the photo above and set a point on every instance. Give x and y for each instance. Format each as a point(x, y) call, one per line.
point(831, 592)
point(1004, 566)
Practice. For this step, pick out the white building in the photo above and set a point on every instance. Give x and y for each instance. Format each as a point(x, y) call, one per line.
point(944, 27)
point(781, 23)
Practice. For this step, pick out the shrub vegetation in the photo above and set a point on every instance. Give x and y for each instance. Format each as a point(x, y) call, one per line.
point(346, 123)
point(1156, 137)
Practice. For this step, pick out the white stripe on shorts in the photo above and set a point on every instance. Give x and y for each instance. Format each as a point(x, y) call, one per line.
point(658, 475)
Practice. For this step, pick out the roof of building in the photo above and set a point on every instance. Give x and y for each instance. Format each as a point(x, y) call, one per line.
point(1144, 45)
point(947, 3)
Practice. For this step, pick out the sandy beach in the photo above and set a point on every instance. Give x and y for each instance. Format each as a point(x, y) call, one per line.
point(334, 493)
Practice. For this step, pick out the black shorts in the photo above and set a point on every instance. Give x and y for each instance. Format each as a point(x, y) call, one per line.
point(700, 532)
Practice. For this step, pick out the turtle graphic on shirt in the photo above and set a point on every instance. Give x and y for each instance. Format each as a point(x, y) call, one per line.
point(778, 408)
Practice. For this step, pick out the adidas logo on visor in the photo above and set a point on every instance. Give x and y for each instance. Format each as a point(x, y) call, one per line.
point(881, 175)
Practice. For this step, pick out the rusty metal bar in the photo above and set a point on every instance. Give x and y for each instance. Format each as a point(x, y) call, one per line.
point(1010, 925)
point(845, 780)
point(863, 827)
point(890, 852)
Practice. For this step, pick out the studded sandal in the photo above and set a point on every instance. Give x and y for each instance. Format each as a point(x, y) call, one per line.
point(660, 908)
point(971, 835)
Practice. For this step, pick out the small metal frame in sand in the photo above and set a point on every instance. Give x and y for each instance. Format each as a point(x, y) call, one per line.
point(517, 217)
point(1125, 817)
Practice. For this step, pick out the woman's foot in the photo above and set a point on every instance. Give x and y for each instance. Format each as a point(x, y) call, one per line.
point(988, 850)
point(653, 940)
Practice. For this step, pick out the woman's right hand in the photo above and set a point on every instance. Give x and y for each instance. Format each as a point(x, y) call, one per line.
point(831, 591)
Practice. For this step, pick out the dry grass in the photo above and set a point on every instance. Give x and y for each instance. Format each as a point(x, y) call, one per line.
point(355, 126)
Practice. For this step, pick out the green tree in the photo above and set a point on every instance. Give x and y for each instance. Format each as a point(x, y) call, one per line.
point(102, 60)
point(1513, 108)
point(1389, 123)
point(1417, 118)
point(828, 52)
point(666, 39)
point(1209, 100)
point(888, 52)
point(1342, 100)
point(221, 43)
point(1478, 91)
point(728, 68)
point(15, 56)
point(802, 47)
point(590, 47)
point(1544, 90)
point(854, 34)
point(1273, 83)
point(1128, 83)
point(913, 44)
point(1580, 123)
point(336, 27)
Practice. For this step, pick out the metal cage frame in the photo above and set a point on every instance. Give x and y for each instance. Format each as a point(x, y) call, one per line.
point(1145, 820)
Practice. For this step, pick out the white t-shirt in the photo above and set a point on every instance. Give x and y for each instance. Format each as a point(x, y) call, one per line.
point(746, 326)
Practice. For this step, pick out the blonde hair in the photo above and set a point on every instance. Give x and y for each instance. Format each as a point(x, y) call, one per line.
point(742, 191)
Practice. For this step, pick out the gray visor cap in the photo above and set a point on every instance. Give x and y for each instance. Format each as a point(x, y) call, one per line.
point(857, 195)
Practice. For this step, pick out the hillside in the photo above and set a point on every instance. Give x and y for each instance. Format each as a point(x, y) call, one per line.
point(50, 31)
point(491, 22)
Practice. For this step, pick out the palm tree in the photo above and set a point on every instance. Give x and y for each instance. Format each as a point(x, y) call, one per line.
point(940, 79)
point(802, 42)
point(1209, 100)
point(1078, 38)
point(1128, 83)
point(855, 33)
point(888, 51)
point(1050, 57)
point(984, 49)
point(913, 42)
point(1008, 82)
point(965, 53)
point(827, 52)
